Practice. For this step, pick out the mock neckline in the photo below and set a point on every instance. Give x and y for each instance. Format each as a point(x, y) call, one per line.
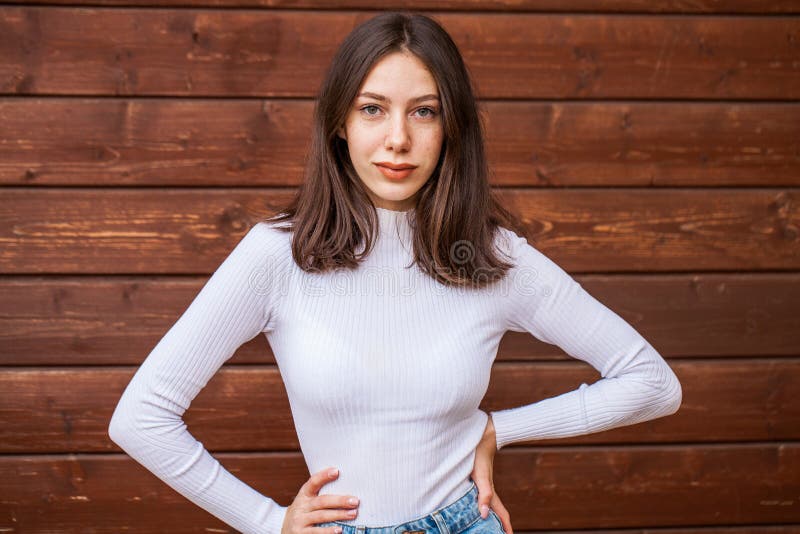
point(394, 211)
point(395, 224)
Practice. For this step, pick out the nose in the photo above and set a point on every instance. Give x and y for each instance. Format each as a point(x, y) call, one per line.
point(398, 138)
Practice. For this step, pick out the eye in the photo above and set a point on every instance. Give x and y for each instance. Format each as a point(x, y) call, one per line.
point(430, 112)
point(368, 107)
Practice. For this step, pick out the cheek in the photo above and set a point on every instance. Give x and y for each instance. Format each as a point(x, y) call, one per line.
point(433, 144)
point(363, 139)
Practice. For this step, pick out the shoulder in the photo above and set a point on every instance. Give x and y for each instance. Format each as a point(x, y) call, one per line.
point(506, 240)
point(263, 256)
point(264, 246)
point(516, 247)
point(267, 235)
point(535, 282)
point(530, 263)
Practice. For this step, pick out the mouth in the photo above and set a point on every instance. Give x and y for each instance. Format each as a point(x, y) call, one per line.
point(395, 172)
point(395, 166)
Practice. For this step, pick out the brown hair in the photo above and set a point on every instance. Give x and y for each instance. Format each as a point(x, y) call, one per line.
point(456, 215)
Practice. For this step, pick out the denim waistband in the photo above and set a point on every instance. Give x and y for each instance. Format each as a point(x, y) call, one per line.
point(450, 519)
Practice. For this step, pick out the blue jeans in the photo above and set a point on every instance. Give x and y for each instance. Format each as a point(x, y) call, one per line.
point(460, 517)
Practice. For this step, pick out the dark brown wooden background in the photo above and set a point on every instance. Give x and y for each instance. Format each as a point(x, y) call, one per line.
point(652, 147)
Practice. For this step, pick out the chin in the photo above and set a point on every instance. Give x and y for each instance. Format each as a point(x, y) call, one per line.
point(395, 200)
point(393, 195)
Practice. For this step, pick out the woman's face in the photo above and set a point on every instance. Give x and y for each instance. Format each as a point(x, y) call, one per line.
point(395, 120)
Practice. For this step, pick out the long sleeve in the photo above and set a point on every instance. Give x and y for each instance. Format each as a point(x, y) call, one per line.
point(238, 302)
point(637, 384)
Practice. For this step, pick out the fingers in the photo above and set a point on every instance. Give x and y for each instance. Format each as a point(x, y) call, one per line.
point(507, 525)
point(482, 475)
point(314, 484)
point(311, 508)
point(333, 508)
point(488, 500)
point(335, 501)
point(503, 515)
point(485, 486)
point(321, 515)
point(485, 493)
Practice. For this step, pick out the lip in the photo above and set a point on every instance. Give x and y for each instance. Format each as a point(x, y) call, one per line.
point(395, 166)
point(395, 174)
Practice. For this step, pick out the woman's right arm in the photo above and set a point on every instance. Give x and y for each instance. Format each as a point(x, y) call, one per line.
point(235, 305)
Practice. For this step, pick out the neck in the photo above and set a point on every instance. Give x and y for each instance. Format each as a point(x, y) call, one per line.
point(394, 224)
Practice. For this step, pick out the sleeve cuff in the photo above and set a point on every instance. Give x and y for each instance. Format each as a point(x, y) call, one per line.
point(276, 519)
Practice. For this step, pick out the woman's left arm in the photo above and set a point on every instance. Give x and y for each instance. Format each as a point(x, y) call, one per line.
point(637, 384)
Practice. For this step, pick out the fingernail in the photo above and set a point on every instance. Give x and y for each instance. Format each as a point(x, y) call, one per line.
point(484, 511)
point(352, 500)
point(333, 472)
point(337, 530)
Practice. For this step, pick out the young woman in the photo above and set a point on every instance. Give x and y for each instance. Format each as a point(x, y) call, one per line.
point(384, 290)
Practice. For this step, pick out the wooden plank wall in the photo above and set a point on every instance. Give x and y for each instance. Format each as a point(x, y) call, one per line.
point(652, 147)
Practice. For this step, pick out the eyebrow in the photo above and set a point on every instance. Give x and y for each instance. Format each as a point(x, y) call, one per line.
point(382, 98)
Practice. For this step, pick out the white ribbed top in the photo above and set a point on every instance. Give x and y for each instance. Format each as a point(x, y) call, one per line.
point(384, 369)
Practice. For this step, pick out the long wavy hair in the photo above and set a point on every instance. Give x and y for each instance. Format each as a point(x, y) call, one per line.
point(456, 214)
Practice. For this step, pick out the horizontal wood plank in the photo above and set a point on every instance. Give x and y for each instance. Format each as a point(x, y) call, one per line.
point(246, 408)
point(543, 488)
point(591, 6)
point(185, 52)
point(139, 231)
point(138, 142)
point(117, 321)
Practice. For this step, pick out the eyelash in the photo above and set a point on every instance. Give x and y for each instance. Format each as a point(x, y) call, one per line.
point(430, 115)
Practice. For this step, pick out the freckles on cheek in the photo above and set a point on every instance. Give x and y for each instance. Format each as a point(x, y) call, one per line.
point(362, 134)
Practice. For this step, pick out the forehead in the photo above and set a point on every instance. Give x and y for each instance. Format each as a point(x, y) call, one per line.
point(399, 76)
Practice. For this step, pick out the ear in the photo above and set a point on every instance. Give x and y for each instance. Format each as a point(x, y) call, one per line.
point(341, 133)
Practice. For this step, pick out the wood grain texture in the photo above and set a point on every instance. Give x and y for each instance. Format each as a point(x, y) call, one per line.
point(246, 53)
point(543, 488)
point(245, 408)
point(139, 231)
point(591, 6)
point(144, 142)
